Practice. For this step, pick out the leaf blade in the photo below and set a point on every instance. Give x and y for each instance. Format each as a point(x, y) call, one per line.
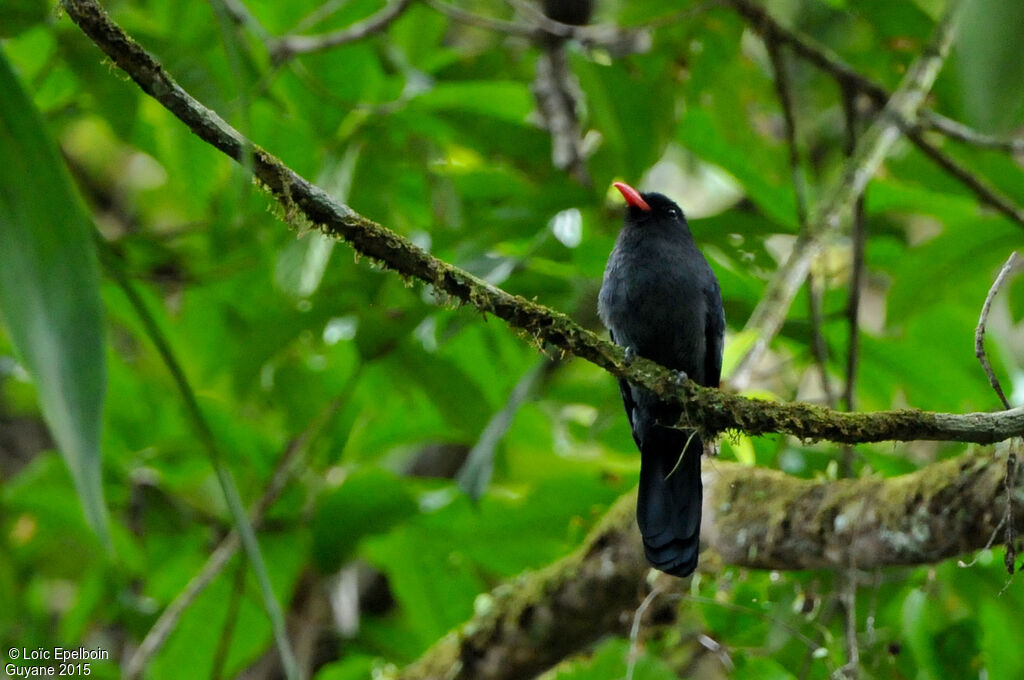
point(49, 291)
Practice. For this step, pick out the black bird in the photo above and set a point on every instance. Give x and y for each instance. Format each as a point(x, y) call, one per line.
point(660, 300)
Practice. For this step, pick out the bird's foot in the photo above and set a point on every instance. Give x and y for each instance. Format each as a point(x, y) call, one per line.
point(630, 354)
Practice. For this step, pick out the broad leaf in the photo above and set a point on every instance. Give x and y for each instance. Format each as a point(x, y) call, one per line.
point(49, 290)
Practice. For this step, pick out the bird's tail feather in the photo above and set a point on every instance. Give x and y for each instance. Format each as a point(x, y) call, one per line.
point(669, 504)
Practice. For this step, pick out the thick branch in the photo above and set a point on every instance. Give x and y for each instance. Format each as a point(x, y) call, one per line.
point(527, 625)
point(713, 410)
point(765, 519)
point(753, 517)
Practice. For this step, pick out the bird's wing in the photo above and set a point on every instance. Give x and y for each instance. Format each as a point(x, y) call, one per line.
point(714, 336)
point(627, 399)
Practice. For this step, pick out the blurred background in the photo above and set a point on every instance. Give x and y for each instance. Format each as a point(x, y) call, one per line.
point(352, 398)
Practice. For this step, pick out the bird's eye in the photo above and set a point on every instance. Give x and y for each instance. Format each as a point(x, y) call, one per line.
point(674, 212)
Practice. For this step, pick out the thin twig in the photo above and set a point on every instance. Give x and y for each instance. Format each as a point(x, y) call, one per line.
point(1009, 483)
point(634, 630)
point(227, 632)
point(292, 457)
point(1010, 535)
point(784, 92)
point(848, 602)
point(241, 16)
point(979, 332)
point(954, 129)
point(757, 612)
point(209, 442)
point(848, 576)
point(859, 240)
point(819, 348)
point(288, 46)
point(819, 55)
point(321, 13)
point(479, 21)
point(980, 187)
point(617, 41)
point(872, 148)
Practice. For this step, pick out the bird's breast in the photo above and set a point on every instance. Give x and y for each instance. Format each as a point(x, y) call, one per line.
point(651, 300)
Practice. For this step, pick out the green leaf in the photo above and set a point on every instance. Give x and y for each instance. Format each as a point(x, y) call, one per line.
point(760, 668)
point(368, 502)
point(19, 15)
point(300, 267)
point(999, 621)
point(355, 667)
point(504, 100)
point(49, 291)
point(434, 585)
point(917, 631)
point(611, 661)
point(716, 142)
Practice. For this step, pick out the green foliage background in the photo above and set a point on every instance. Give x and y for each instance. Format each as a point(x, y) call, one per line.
point(427, 129)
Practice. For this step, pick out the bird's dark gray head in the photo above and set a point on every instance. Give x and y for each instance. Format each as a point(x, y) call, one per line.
point(649, 206)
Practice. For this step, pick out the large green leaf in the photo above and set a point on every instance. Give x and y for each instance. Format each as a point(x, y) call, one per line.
point(611, 660)
point(368, 502)
point(49, 290)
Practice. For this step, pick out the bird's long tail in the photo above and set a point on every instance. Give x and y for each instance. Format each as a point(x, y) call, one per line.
point(669, 505)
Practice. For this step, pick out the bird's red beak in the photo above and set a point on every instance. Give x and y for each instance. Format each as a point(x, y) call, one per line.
point(631, 195)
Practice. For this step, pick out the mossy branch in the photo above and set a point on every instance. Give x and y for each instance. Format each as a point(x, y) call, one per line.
point(711, 410)
point(753, 517)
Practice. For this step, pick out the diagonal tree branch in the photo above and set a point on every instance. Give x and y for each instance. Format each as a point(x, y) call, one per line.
point(839, 199)
point(286, 47)
point(712, 410)
point(763, 22)
point(753, 517)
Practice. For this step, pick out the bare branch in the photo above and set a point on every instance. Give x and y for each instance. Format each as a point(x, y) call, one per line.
point(531, 623)
point(288, 46)
point(962, 133)
point(557, 94)
point(819, 348)
point(770, 313)
point(828, 61)
point(241, 16)
point(753, 517)
point(479, 21)
point(294, 453)
point(783, 91)
point(979, 332)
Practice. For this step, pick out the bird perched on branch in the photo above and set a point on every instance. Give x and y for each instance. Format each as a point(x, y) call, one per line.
point(660, 300)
